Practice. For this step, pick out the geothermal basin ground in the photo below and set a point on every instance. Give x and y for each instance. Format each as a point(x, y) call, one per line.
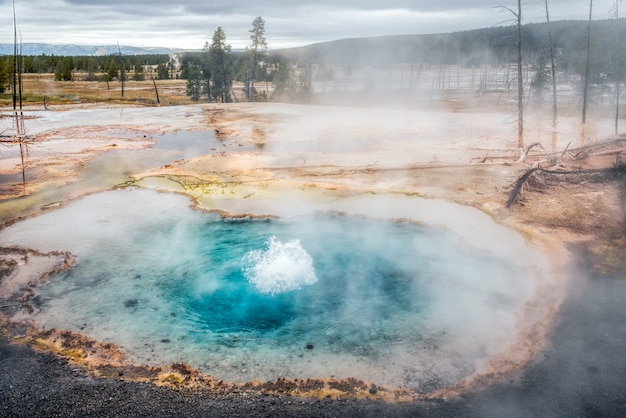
point(448, 292)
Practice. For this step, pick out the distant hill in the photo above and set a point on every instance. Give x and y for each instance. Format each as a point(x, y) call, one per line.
point(466, 47)
point(35, 49)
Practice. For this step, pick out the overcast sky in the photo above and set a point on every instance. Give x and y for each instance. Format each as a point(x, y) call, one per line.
point(190, 23)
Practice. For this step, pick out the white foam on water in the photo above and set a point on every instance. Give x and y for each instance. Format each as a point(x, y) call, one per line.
point(281, 267)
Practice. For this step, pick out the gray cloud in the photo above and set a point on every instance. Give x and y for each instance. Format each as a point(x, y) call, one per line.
point(189, 23)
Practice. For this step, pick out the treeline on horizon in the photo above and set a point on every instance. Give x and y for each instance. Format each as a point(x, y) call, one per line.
point(473, 48)
point(496, 45)
point(107, 67)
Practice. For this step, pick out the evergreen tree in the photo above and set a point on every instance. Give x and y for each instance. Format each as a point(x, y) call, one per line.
point(195, 69)
point(92, 68)
point(257, 53)
point(4, 74)
point(113, 69)
point(64, 70)
point(219, 63)
point(162, 72)
point(284, 82)
point(205, 75)
point(138, 74)
point(194, 82)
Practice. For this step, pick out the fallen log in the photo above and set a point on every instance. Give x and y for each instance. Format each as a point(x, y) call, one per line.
point(526, 150)
point(524, 182)
point(603, 148)
point(538, 179)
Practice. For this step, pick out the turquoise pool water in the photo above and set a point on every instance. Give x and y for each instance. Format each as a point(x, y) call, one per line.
point(317, 295)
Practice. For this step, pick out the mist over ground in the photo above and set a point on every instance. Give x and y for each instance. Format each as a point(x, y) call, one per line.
point(443, 131)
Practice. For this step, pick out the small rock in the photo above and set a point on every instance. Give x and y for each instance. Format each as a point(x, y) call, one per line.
point(131, 303)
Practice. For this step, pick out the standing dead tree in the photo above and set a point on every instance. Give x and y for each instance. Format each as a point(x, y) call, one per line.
point(18, 136)
point(156, 90)
point(618, 68)
point(122, 70)
point(552, 71)
point(520, 80)
point(587, 69)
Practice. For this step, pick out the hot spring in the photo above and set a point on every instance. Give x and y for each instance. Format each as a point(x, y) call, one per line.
point(382, 294)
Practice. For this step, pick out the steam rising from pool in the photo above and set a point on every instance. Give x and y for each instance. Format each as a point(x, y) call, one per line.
point(317, 295)
point(280, 268)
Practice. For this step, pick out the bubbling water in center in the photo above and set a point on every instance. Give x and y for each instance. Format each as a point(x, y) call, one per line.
point(280, 268)
point(317, 295)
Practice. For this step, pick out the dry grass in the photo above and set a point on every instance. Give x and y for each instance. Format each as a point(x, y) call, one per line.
point(40, 86)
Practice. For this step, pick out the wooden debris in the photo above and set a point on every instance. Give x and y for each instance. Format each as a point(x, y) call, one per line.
point(558, 171)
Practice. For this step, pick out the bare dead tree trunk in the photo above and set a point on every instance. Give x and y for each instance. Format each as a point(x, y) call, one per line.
point(20, 121)
point(232, 92)
point(246, 85)
point(18, 117)
point(15, 63)
point(520, 80)
point(520, 76)
point(618, 74)
point(587, 65)
point(617, 94)
point(122, 72)
point(553, 70)
point(483, 81)
point(267, 82)
point(20, 73)
point(156, 90)
point(620, 169)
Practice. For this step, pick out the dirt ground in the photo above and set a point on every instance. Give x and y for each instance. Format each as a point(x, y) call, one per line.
point(269, 149)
